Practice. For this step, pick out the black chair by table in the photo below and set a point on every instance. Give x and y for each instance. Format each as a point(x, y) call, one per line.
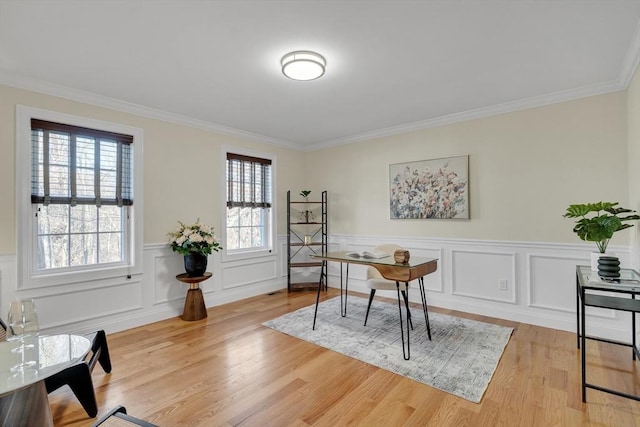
point(78, 377)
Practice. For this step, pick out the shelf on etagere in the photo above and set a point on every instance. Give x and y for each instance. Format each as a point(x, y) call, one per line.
point(307, 234)
point(306, 264)
point(303, 286)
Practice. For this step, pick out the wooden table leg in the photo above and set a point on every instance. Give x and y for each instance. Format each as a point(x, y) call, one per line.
point(194, 308)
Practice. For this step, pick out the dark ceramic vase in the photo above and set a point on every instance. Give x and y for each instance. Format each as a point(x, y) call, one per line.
point(609, 266)
point(195, 264)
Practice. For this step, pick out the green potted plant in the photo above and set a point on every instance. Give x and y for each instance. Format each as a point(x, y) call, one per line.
point(598, 221)
point(305, 194)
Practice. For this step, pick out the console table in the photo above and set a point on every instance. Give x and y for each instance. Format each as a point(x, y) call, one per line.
point(416, 268)
point(194, 308)
point(621, 297)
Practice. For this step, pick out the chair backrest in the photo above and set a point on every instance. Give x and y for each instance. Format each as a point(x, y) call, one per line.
point(390, 248)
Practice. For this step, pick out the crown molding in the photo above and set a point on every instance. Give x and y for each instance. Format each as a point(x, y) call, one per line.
point(507, 107)
point(36, 85)
point(629, 66)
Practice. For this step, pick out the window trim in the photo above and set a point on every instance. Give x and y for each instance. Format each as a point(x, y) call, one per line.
point(28, 276)
point(239, 254)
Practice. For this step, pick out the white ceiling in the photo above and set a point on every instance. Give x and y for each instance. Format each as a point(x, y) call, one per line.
point(392, 65)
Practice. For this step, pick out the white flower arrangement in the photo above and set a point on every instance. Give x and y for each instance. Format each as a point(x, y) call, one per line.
point(194, 238)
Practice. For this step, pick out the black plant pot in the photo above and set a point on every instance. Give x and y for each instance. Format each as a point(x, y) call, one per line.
point(609, 266)
point(195, 264)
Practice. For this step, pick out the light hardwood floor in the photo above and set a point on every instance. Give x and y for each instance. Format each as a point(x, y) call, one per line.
point(229, 370)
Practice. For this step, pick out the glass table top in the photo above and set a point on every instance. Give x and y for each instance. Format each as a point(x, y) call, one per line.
point(363, 258)
point(629, 279)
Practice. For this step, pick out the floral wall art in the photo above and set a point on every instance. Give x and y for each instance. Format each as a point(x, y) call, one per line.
point(437, 189)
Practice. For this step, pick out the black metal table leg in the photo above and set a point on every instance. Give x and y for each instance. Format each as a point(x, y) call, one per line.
point(343, 303)
point(583, 350)
point(577, 311)
point(406, 301)
point(343, 296)
point(425, 308)
point(315, 314)
point(633, 331)
point(406, 349)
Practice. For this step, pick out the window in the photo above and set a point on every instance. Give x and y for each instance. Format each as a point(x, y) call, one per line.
point(80, 189)
point(248, 219)
point(76, 182)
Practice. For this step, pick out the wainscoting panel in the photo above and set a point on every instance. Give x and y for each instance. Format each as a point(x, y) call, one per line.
point(248, 272)
point(550, 284)
point(89, 305)
point(484, 274)
point(167, 287)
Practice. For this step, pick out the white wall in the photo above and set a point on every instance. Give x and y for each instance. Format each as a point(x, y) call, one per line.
point(182, 166)
point(525, 168)
point(183, 175)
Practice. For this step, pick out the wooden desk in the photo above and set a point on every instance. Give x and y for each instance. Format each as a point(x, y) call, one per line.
point(416, 268)
point(194, 307)
point(629, 284)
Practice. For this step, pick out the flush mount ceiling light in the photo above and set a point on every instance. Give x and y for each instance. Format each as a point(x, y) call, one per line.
point(303, 65)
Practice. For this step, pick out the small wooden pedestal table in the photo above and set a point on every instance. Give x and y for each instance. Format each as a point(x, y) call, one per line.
point(194, 308)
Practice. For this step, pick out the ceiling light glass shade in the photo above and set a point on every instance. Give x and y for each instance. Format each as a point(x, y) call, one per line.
point(303, 65)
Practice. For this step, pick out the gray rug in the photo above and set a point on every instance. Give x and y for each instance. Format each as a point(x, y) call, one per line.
point(460, 359)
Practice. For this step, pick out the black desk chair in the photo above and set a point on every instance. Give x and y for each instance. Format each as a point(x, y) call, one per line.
point(118, 417)
point(78, 376)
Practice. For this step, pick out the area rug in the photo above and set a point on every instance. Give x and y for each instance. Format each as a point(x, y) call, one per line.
point(460, 359)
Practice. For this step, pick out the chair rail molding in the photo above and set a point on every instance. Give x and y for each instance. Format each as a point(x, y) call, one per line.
point(539, 279)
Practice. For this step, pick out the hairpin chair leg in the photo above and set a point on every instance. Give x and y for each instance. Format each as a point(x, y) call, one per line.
point(406, 302)
point(371, 294)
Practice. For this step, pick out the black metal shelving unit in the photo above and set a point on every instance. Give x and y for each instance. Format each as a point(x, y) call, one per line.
point(306, 236)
